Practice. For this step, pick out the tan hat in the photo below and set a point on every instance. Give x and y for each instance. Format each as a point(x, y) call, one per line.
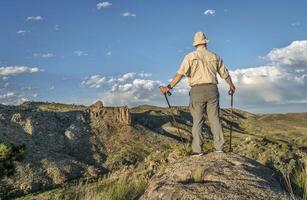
point(200, 38)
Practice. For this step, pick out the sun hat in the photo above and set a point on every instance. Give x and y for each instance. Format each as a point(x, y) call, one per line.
point(200, 38)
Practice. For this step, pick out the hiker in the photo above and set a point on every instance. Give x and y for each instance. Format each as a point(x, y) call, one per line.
point(201, 67)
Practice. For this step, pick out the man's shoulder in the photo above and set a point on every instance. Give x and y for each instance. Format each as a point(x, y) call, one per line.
point(194, 55)
point(213, 55)
point(191, 55)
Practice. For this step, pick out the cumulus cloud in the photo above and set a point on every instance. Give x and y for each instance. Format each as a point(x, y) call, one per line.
point(44, 55)
point(209, 12)
point(294, 55)
point(15, 70)
point(104, 4)
point(138, 91)
point(80, 53)
point(35, 18)
point(127, 89)
point(282, 81)
point(96, 81)
point(128, 14)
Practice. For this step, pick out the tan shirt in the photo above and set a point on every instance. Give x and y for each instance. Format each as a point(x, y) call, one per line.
point(201, 66)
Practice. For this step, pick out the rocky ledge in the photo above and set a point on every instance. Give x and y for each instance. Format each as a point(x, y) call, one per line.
point(215, 176)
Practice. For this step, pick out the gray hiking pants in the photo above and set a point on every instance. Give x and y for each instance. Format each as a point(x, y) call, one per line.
point(205, 98)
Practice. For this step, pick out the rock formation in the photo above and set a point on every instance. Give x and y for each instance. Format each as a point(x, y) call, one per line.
point(100, 114)
point(214, 176)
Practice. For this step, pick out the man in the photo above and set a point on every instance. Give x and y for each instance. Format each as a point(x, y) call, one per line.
point(201, 67)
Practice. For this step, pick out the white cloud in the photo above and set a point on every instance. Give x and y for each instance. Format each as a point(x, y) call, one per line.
point(293, 55)
point(7, 95)
point(35, 18)
point(104, 4)
point(22, 32)
point(138, 91)
point(209, 12)
point(94, 81)
point(127, 89)
point(80, 53)
point(128, 14)
point(14, 70)
point(280, 84)
point(127, 76)
point(44, 55)
point(12, 98)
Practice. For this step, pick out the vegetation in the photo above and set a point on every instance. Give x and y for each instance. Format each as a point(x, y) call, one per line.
point(8, 154)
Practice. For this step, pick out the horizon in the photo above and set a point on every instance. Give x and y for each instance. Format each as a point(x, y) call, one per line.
point(121, 52)
point(162, 106)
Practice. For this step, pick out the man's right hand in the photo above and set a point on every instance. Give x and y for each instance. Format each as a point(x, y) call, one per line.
point(232, 88)
point(164, 90)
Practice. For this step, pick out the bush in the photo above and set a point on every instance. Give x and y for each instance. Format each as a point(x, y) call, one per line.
point(8, 154)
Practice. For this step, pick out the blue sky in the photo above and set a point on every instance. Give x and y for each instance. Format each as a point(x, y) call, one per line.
point(78, 50)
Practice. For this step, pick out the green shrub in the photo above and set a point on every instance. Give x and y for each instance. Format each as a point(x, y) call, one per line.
point(8, 154)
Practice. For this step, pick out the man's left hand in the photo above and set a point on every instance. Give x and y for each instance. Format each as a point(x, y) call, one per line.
point(164, 90)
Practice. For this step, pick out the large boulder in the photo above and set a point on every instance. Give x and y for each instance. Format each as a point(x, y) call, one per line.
point(215, 176)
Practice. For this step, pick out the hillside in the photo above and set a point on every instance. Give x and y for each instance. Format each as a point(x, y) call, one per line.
point(69, 146)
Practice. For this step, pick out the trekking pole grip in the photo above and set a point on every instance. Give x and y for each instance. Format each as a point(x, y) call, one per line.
point(230, 92)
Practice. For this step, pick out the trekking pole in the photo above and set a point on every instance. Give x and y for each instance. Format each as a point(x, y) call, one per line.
point(230, 133)
point(174, 122)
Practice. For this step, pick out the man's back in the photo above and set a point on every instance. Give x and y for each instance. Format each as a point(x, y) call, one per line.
point(201, 66)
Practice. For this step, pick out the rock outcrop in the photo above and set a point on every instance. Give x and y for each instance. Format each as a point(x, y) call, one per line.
point(59, 147)
point(215, 176)
point(101, 115)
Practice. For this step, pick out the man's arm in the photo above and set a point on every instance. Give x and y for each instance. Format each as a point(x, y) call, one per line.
point(172, 84)
point(232, 87)
point(224, 74)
